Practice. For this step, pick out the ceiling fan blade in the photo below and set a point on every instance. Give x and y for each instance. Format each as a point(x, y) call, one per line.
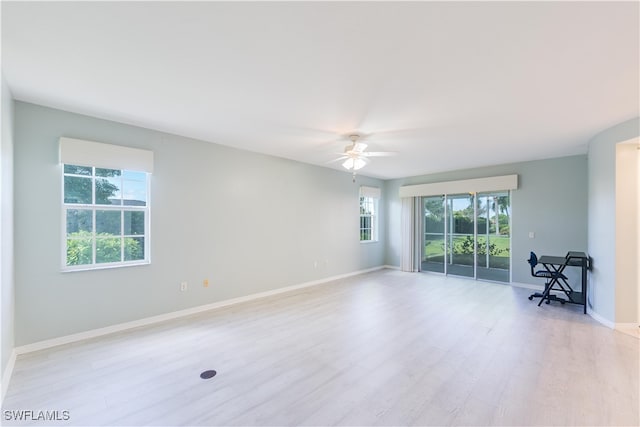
point(380, 153)
point(339, 159)
point(398, 133)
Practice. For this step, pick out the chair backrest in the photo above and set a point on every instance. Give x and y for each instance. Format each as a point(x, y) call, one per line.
point(533, 261)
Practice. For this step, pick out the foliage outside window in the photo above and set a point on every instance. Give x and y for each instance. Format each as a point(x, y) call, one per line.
point(483, 231)
point(106, 215)
point(368, 219)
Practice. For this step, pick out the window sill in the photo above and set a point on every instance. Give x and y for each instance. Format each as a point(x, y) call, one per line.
point(102, 267)
point(368, 242)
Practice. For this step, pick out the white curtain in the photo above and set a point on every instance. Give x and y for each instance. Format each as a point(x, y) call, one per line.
point(411, 232)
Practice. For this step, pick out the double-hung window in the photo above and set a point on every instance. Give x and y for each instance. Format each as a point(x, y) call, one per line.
point(369, 197)
point(105, 209)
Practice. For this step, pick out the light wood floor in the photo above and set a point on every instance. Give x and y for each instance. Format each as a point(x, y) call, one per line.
point(386, 348)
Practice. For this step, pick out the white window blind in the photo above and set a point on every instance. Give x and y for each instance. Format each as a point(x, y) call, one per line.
point(89, 153)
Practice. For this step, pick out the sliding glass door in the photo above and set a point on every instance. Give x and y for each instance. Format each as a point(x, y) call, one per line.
point(433, 239)
point(494, 236)
point(467, 235)
point(460, 235)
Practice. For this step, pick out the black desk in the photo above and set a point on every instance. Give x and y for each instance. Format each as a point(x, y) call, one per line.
point(556, 265)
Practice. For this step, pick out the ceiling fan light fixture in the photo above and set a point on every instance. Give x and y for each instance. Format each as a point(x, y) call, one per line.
point(353, 164)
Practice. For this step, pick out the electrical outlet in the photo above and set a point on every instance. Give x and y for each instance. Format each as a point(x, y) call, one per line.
point(532, 235)
point(183, 286)
point(205, 283)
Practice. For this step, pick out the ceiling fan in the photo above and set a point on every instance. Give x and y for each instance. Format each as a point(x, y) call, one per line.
point(356, 157)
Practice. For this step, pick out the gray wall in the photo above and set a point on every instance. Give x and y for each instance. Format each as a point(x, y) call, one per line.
point(602, 217)
point(247, 222)
point(6, 227)
point(551, 201)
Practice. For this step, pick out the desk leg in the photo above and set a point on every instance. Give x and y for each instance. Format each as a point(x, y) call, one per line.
point(584, 284)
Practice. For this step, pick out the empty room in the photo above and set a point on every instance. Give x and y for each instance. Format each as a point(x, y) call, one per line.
point(320, 213)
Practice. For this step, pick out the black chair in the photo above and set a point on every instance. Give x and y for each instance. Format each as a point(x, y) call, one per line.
point(550, 276)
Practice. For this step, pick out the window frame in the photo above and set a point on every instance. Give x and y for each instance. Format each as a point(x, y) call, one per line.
point(373, 218)
point(94, 208)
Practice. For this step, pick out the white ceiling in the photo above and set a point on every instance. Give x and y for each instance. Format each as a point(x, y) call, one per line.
point(447, 85)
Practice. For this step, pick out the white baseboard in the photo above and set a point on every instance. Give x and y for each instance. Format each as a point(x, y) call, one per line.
point(392, 267)
point(41, 345)
point(599, 318)
point(6, 375)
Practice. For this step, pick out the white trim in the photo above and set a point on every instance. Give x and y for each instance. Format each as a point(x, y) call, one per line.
point(104, 266)
point(478, 185)
point(391, 267)
point(600, 319)
point(41, 345)
point(6, 375)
